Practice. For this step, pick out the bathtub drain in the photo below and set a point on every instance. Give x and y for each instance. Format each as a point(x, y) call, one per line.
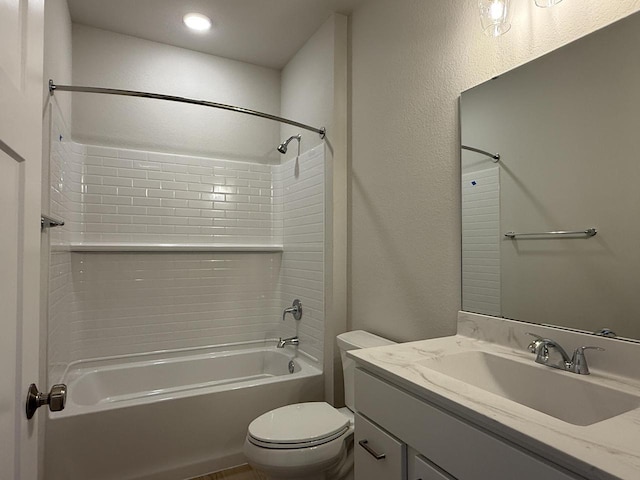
point(292, 366)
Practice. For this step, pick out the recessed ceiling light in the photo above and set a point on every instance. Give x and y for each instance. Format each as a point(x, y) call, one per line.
point(197, 21)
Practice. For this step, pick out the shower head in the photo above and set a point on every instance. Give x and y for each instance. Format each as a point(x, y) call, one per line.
point(282, 148)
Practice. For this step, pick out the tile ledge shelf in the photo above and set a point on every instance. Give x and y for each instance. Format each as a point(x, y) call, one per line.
point(166, 247)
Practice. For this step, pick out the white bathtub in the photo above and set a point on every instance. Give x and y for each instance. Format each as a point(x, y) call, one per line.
point(169, 416)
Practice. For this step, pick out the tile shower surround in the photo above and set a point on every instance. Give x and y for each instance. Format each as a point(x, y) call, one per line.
point(481, 241)
point(125, 303)
point(302, 268)
point(135, 196)
point(105, 304)
point(65, 180)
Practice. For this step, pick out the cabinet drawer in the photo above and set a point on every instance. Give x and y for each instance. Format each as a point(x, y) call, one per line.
point(425, 470)
point(378, 455)
point(459, 448)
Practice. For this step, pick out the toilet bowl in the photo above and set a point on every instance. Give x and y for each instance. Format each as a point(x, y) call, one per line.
point(310, 441)
point(301, 441)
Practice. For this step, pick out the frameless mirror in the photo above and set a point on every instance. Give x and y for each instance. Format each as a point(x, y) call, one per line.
point(567, 128)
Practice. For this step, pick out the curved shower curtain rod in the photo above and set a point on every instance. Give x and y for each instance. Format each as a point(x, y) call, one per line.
point(495, 157)
point(132, 93)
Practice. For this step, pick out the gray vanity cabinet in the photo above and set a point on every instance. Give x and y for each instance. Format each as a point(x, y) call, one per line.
point(423, 469)
point(452, 448)
point(378, 454)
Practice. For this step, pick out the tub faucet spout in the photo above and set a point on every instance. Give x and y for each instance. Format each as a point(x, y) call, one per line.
point(288, 341)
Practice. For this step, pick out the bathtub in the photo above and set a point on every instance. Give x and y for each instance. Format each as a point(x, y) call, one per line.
point(170, 415)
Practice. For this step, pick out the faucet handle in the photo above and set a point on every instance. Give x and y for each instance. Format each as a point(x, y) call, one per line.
point(579, 361)
point(533, 346)
point(295, 310)
point(582, 349)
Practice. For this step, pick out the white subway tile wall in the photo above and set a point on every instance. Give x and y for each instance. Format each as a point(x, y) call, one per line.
point(481, 242)
point(65, 181)
point(302, 274)
point(59, 318)
point(106, 304)
point(65, 174)
point(125, 303)
point(146, 197)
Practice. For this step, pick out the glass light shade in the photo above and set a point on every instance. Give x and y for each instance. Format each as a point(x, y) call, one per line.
point(495, 16)
point(547, 3)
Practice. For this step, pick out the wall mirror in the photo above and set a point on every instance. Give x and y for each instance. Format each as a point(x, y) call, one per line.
point(566, 127)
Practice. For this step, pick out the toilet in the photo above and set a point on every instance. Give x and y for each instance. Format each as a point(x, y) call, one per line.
point(310, 441)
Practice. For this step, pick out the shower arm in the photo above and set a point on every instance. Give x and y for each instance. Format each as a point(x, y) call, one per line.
point(132, 93)
point(282, 148)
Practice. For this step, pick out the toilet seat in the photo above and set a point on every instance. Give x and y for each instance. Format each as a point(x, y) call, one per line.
point(301, 425)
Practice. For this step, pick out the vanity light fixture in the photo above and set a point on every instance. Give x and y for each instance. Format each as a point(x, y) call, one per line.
point(197, 22)
point(495, 15)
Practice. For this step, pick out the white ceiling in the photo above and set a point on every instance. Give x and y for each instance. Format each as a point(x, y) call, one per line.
point(262, 32)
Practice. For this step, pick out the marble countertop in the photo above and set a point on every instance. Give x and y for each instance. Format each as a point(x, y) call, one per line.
point(609, 449)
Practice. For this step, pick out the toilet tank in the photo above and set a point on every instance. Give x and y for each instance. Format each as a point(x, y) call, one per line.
point(352, 341)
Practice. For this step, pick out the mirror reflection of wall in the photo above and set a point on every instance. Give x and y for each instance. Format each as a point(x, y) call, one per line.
point(566, 127)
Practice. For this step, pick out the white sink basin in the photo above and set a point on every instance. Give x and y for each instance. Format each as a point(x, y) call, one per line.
point(563, 395)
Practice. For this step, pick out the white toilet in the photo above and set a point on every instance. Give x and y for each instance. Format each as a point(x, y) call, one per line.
point(310, 441)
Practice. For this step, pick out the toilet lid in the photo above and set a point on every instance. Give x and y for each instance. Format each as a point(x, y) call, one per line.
point(302, 423)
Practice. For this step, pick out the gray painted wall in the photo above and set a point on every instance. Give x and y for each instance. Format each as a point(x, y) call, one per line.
point(410, 61)
point(108, 59)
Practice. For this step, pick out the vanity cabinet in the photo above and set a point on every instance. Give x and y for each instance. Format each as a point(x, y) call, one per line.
point(423, 469)
point(378, 454)
point(452, 449)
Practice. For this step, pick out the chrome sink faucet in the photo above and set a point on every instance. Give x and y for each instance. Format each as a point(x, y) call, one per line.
point(288, 341)
point(551, 354)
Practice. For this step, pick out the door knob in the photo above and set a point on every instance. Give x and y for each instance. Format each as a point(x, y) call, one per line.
point(56, 398)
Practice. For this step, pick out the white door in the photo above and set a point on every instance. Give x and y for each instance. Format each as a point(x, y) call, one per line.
point(21, 99)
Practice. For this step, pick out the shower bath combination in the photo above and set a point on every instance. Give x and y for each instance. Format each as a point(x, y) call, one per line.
point(282, 148)
point(198, 377)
